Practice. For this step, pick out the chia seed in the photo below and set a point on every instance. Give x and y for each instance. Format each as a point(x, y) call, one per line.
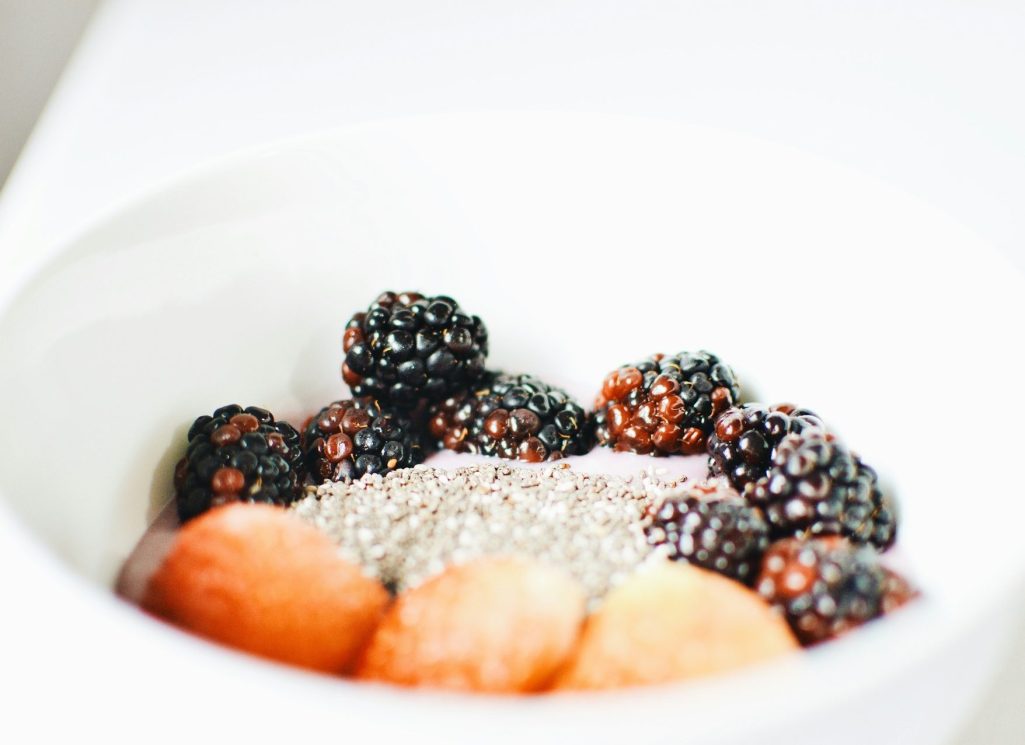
point(410, 524)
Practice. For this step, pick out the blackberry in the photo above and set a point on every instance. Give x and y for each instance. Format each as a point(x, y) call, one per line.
point(407, 348)
point(745, 437)
point(828, 586)
point(238, 454)
point(664, 405)
point(347, 439)
point(513, 417)
point(816, 486)
point(710, 525)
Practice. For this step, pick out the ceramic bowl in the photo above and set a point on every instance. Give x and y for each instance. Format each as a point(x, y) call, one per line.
point(585, 242)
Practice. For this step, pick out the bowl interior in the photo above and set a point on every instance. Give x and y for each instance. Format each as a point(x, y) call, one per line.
point(584, 242)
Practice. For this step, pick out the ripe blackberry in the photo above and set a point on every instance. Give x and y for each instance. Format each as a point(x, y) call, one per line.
point(347, 439)
point(406, 348)
point(238, 454)
point(712, 526)
point(745, 437)
point(513, 417)
point(828, 586)
point(664, 405)
point(816, 486)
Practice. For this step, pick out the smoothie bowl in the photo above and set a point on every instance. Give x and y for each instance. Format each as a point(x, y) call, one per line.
point(585, 242)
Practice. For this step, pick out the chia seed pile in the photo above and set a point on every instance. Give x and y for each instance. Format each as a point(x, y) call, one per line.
point(409, 525)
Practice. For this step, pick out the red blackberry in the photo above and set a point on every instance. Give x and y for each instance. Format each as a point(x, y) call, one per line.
point(816, 486)
point(828, 586)
point(238, 454)
point(712, 526)
point(347, 439)
point(664, 405)
point(406, 348)
point(745, 437)
point(513, 417)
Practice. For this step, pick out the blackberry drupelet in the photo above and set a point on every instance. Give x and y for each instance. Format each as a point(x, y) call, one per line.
point(875, 519)
point(407, 348)
point(347, 439)
point(664, 405)
point(828, 586)
point(512, 417)
point(710, 525)
point(816, 486)
point(238, 454)
point(745, 437)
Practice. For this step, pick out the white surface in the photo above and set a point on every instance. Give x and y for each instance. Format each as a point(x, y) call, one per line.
point(126, 330)
point(922, 94)
point(36, 39)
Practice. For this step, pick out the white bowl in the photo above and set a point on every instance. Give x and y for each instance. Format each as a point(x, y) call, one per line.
point(584, 241)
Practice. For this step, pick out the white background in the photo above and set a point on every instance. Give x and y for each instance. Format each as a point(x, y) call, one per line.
point(925, 95)
point(35, 41)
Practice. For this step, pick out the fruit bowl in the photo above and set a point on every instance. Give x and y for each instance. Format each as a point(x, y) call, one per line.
point(589, 240)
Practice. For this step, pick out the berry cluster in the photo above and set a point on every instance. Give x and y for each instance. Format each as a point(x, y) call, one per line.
point(792, 510)
point(712, 526)
point(415, 365)
point(421, 360)
point(351, 438)
point(778, 474)
point(788, 510)
point(816, 486)
point(512, 416)
point(824, 586)
point(828, 586)
point(664, 405)
point(238, 454)
point(740, 446)
point(407, 347)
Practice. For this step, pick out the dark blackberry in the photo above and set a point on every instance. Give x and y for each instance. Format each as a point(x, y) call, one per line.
point(710, 525)
point(407, 348)
point(828, 586)
point(238, 454)
point(347, 439)
point(513, 417)
point(664, 405)
point(745, 437)
point(816, 486)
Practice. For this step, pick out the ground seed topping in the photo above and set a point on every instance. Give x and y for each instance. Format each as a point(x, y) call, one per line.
point(410, 524)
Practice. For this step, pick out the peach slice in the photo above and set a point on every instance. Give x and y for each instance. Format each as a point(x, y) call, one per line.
point(259, 579)
point(500, 625)
point(671, 622)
